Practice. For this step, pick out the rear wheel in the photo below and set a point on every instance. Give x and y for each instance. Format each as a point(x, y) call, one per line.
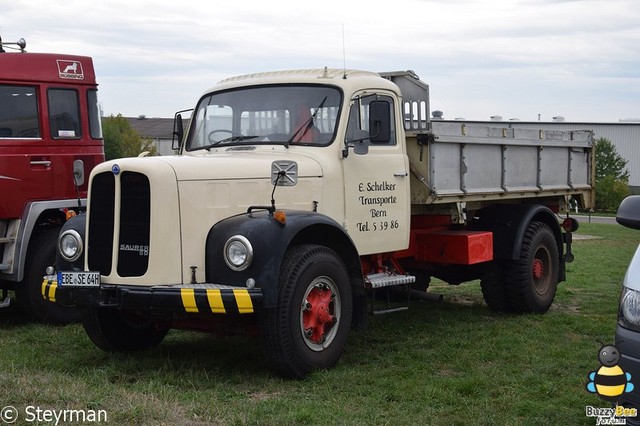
point(308, 329)
point(113, 330)
point(532, 280)
point(42, 253)
point(493, 287)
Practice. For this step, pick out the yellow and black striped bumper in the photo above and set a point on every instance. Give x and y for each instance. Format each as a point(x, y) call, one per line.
point(188, 298)
point(49, 287)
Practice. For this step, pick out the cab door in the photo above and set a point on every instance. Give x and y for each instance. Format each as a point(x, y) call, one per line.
point(25, 169)
point(376, 177)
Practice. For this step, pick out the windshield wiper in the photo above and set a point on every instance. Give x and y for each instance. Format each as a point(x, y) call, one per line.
point(237, 138)
point(307, 124)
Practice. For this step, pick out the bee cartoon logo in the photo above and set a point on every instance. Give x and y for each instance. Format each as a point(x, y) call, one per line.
point(609, 381)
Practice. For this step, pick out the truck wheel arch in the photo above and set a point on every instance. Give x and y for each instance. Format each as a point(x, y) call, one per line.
point(37, 217)
point(509, 223)
point(521, 233)
point(270, 241)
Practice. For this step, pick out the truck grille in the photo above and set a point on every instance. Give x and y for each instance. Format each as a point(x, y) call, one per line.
point(101, 220)
point(134, 217)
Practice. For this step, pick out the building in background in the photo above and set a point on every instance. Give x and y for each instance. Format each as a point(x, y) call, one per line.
point(159, 130)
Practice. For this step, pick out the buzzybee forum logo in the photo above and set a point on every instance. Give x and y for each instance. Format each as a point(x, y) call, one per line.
point(610, 381)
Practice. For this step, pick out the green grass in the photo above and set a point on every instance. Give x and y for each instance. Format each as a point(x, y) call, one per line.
point(446, 363)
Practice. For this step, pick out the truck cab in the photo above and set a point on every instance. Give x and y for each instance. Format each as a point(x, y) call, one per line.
point(315, 125)
point(50, 139)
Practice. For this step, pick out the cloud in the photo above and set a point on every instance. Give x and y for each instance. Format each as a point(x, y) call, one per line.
point(479, 57)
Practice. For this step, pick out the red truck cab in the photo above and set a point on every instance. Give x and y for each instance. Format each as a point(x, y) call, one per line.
point(50, 139)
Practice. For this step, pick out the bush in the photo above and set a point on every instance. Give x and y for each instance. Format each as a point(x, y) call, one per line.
point(610, 192)
point(121, 140)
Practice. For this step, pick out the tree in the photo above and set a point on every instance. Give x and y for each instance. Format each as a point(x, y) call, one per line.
point(609, 162)
point(121, 140)
point(610, 192)
point(112, 133)
point(612, 177)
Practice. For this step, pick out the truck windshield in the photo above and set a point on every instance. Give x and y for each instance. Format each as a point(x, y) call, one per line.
point(278, 114)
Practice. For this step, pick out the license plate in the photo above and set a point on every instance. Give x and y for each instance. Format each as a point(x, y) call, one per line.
point(79, 279)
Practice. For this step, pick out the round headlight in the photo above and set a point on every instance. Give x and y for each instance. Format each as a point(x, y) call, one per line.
point(70, 245)
point(238, 253)
point(630, 305)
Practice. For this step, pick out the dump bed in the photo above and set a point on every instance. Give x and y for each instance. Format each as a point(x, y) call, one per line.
point(464, 163)
point(461, 162)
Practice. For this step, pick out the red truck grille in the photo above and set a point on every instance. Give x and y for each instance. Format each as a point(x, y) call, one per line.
point(134, 218)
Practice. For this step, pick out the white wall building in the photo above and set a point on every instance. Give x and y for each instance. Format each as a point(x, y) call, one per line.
point(159, 130)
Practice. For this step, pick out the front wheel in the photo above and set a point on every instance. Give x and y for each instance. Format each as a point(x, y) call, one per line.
point(308, 329)
point(532, 280)
point(41, 254)
point(113, 330)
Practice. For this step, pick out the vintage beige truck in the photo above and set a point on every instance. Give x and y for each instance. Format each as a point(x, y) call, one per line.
point(298, 194)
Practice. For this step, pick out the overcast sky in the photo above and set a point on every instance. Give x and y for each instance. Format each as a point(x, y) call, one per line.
point(578, 59)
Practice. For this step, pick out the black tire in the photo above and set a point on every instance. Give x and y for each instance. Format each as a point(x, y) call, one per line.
point(42, 253)
point(422, 280)
point(532, 281)
point(115, 331)
point(308, 329)
point(493, 287)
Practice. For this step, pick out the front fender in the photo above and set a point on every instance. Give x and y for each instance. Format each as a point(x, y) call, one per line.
point(270, 240)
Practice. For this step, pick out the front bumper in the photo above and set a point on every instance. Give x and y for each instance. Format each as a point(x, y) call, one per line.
point(628, 343)
point(184, 298)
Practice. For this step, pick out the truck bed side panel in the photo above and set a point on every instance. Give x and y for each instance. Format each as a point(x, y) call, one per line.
point(459, 163)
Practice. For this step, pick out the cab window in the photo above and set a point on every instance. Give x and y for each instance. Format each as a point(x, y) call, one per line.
point(64, 114)
point(18, 112)
point(95, 125)
point(359, 123)
point(277, 114)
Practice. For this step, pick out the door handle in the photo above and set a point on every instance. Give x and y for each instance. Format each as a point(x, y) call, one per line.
point(45, 163)
point(400, 174)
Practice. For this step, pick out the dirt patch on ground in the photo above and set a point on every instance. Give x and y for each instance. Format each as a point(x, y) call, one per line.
point(578, 237)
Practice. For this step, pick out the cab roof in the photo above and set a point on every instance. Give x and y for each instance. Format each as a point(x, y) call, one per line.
point(349, 80)
point(46, 67)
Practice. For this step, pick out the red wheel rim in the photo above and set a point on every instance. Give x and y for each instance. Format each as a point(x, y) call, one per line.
point(538, 269)
point(319, 313)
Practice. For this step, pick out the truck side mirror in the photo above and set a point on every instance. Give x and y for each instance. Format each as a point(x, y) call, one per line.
point(379, 121)
point(78, 172)
point(361, 142)
point(178, 131)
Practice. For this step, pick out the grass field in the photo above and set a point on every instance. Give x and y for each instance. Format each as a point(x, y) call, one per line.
point(446, 363)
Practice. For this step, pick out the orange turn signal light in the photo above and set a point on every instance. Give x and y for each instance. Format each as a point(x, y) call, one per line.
point(280, 216)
